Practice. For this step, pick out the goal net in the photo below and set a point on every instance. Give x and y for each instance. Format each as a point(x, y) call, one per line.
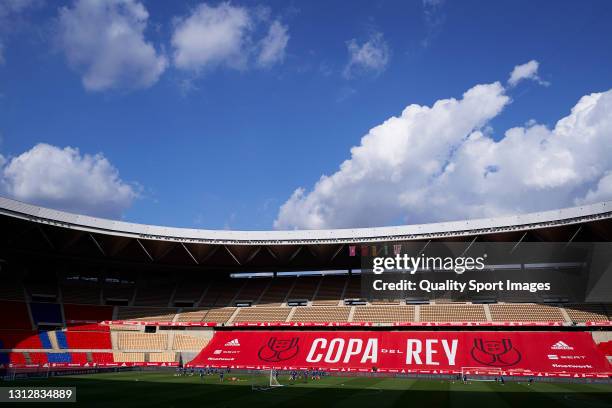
point(267, 381)
point(481, 373)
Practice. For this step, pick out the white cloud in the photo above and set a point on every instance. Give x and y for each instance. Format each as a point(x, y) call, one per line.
point(225, 35)
point(601, 192)
point(371, 56)
point(273, 45)
point(441, 163)
point(211, 36)
point(68, 180)
point(528, 70)
point(104, 41)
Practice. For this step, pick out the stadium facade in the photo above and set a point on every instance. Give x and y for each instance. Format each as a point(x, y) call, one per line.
point(80, 291)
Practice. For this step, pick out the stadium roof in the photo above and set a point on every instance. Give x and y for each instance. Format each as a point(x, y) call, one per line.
point(33, 229)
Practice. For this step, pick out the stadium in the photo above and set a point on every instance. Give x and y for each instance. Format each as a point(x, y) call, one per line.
point(85, 295)
point(248, 203)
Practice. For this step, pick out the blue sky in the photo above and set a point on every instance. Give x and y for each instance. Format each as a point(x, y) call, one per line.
point(212, 139)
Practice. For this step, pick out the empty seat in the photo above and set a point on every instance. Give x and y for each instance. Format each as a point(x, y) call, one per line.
point(453, 313)
point(142, 341)
point(525, 312)
point(262, 314)
point(184, 342)
point(163, 357)
point(383, 314)
point(148, 314)
point(321, 314)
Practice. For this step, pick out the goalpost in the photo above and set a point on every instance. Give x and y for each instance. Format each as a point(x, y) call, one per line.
point(481, 373)
point(271, 383)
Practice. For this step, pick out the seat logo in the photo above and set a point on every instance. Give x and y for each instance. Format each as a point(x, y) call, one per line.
point(278, 349)
point(495, 353)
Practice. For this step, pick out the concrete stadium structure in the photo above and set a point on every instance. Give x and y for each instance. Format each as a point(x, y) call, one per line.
point(41, 232)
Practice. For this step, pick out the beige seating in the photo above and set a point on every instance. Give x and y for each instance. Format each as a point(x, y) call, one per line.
point(383, 314)
point(163, 357)
point(142, 341)
point(184, 342)
point(121, 357)
point(586, 312)
point(525, 312)
point(220, 315)
point(452, 313)
point(192, 315)
point(262, 314)
point(321, 314)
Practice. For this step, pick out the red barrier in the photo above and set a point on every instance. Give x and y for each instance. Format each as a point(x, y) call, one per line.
point(526, 353)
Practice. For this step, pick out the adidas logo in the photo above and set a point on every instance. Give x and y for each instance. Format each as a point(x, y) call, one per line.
point(560, 345)
point(233, 343)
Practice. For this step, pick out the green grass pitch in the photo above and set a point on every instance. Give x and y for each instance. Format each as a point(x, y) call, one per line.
point(163, 389)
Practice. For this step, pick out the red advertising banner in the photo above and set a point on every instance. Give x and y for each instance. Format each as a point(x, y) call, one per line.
point(410, 352)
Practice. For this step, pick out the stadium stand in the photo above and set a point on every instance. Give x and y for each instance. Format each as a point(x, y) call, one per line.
point(142, 341)
point(262, 314)
point(118, 292)
point(84, 340)
point(46, 313)
point(321, 314)
point(154, 294)
point(220, 316)
point(120, 357)
point(17, 358)
point(38, 358)
point(527, 312)
point(87, 313)
point(304, 288)
point(353, 288)
point(221, 292)
point(452, 313)
point(148, 314)
point(163, 357)
point(330, 290)
point(79, 358)
point(383, 314)
point(586, 312)
point(184, 342)
point(276, 291)
point(102, 358)
point(81, 294)
point(253, 289)
point(59, 357)
point(18, 318)
point(12, 289)
point(20, 339)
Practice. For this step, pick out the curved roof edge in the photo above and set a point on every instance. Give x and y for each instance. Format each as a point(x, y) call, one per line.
point(520, 222)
